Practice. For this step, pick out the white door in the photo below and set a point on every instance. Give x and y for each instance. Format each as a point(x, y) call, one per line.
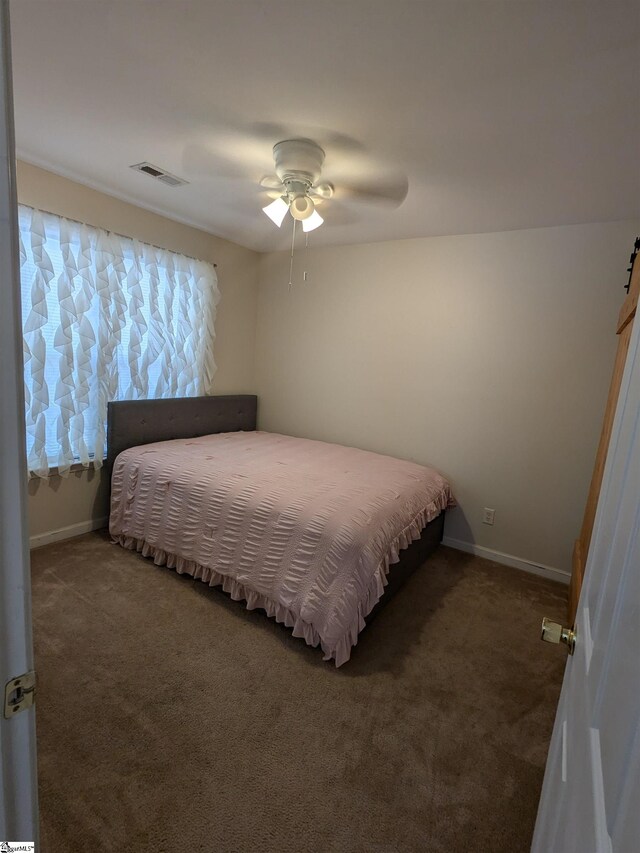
point(590, 799)
point(18, 791)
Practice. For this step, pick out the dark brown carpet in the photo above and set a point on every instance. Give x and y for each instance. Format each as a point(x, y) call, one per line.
point(170, 718)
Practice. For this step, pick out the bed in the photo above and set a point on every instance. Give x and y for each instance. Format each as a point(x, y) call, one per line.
point(316, 534)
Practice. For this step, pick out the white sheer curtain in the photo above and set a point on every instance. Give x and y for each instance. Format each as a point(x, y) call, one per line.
point(105, 318)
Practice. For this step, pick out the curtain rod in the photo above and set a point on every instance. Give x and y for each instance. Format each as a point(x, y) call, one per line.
point(115, 233)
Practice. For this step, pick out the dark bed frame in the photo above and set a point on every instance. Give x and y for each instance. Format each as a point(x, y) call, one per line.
point(131, 423)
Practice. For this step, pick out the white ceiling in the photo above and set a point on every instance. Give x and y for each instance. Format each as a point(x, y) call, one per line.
point(502, 115)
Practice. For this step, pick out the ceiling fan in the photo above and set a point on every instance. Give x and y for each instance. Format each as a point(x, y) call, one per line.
point(354, 181)
point(295, 187)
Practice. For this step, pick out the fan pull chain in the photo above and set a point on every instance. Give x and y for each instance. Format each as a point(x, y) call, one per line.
point(293, 240)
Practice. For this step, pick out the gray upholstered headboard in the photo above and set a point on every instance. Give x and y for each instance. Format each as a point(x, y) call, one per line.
point(134, 422)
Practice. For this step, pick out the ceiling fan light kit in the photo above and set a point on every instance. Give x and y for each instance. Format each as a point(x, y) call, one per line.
point(313, 222)
point(301, 207)
point(296, 188)
point(298, 165)
point(277, 210)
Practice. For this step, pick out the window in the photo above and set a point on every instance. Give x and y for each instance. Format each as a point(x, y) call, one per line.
point(104, 318)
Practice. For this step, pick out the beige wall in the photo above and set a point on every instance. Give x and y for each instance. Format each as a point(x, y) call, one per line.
point(487, 356)
point(60, 503)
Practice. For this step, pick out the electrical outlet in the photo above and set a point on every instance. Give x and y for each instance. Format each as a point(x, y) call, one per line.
point(489, 515)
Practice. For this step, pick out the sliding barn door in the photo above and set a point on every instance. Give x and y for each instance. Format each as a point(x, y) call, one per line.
point(581, 547)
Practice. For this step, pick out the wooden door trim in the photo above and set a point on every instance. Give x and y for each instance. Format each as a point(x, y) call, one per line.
point(581, 546)
point(628, 310)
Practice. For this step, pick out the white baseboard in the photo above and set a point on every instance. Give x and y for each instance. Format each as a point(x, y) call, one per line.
point(69, 532)
point(469, 547)
point(508, 560)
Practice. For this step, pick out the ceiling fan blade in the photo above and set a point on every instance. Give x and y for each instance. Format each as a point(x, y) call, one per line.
point(321, 191)
point(274, 194)
point(272, 182)
point(339, 214)
point(330, 140)
point(389, 192)
point(200, 161)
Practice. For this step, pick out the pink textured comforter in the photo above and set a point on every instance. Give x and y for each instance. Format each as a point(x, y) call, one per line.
point(304, 529)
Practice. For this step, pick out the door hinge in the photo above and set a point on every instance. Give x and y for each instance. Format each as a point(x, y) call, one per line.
point(19, 694)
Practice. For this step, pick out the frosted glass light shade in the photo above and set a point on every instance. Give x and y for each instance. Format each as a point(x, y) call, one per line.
point(313, 222)
point(302, 207)
point(276, 211)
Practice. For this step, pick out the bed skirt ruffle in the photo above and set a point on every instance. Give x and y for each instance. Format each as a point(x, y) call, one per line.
point(340, 651)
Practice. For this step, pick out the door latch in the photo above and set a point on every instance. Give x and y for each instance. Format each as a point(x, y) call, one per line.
point(553, 632)
point(19, 694)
